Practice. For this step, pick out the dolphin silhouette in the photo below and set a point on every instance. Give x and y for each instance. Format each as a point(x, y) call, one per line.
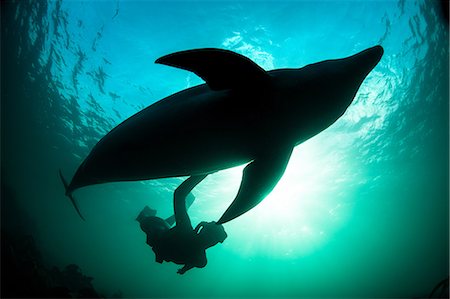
point(243, 114)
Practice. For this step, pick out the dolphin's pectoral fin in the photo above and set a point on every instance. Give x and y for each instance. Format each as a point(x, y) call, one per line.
point(258, 180)
point(221, 69)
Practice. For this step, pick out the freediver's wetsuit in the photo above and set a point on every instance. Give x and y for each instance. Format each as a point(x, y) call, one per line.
point(178, 244)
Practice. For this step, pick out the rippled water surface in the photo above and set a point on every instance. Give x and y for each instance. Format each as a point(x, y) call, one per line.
point(362, 210)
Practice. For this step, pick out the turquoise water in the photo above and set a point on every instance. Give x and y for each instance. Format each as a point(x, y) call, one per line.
point(362, 210)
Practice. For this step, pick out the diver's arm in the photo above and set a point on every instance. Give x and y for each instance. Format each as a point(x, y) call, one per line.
point(179, 200)
point(199, 261)
point(184, 269)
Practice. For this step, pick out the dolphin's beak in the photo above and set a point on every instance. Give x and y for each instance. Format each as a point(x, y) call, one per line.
point(358, 66)
point(372, 55)
point(366, 60)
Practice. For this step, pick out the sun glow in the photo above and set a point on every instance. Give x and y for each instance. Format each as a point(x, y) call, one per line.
point(298, 216)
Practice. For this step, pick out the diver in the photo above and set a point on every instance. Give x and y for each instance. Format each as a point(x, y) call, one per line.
point(181, 244)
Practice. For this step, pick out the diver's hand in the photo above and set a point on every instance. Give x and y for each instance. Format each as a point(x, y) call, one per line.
point(183, 270)
point(200, 225)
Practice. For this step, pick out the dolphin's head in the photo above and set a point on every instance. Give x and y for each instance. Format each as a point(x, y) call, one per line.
point(333, 84)
point(346, 75)
point(315, 96)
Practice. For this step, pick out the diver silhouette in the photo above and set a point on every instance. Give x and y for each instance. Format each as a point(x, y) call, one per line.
point(181, 244)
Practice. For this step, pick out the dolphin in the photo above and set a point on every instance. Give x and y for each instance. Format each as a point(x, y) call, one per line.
point(241, 115)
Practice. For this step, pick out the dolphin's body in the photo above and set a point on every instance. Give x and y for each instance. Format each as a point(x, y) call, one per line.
point(242, 114)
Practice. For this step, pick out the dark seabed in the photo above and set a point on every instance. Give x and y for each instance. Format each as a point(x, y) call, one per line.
point(362, 210)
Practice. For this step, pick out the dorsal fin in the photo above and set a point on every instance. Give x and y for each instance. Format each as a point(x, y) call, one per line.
point(221, 69)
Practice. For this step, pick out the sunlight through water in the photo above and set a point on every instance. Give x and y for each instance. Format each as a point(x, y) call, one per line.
point(361, 210)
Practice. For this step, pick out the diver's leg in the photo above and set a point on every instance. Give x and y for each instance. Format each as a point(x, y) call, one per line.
point(189, 201)
point(181, 203)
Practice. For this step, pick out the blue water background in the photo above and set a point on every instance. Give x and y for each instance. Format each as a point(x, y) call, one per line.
point(362, 210)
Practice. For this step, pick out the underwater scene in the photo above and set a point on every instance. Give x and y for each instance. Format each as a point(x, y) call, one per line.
point(345, 191)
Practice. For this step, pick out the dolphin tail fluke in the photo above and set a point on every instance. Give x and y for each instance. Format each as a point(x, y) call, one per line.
point(69, 195)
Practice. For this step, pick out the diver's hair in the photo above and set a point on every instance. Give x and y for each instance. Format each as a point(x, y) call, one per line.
point(217, 230)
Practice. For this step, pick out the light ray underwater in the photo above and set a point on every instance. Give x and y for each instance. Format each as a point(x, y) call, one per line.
point(275, 149)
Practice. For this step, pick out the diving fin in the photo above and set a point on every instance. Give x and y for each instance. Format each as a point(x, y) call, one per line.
point(221, 69)
point(145, 213)
point(70, 195)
